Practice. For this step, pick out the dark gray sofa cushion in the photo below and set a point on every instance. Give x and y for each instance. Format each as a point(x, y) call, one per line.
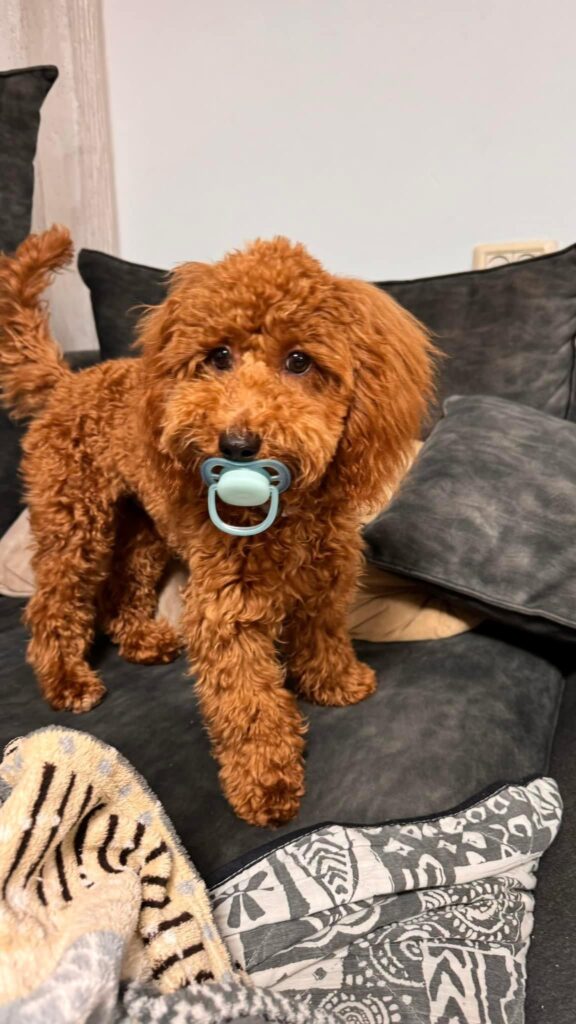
point(508, 332)
point(450, 718)
point(488, 512)
point(119, 291)
point(22, 93)
point(551, 993)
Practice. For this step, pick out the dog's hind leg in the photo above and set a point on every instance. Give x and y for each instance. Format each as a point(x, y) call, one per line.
point(71, 561)
point(129, 597)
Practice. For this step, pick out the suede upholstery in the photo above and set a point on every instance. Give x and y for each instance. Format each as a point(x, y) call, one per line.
point(508, 331)
point(487, 512)
point(119, 291)
point(22, 93)
point(392, 756)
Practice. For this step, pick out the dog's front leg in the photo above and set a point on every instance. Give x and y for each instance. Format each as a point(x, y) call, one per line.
point(253, 720)
point(321, 658)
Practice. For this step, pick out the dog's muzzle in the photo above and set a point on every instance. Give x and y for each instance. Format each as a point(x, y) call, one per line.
point(245, 486)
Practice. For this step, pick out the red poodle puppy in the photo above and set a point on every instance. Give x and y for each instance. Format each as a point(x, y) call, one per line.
point(262, 355)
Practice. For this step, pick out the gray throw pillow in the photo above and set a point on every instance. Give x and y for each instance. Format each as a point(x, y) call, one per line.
point(22, 93)
point(508, 331)
point(119, 292)
point(488, 512)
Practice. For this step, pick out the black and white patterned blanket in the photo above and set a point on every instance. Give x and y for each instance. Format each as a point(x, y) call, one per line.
point(425, 922)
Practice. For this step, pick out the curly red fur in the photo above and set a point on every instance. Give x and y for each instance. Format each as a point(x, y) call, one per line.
point(112, 462)
point(31, 365)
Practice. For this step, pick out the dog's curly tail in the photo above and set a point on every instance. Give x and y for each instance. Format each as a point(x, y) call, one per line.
point(31, 362)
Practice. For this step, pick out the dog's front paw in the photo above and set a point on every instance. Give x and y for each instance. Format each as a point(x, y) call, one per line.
point(150, 642)
point(262, 786)
point(78, 689)
point(349, 686)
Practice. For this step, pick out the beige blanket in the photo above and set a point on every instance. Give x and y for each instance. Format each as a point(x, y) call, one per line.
point(96, 890)
point(88, 859)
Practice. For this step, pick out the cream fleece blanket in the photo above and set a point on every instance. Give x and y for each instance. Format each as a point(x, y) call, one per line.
point(103, 919)
point(89, 860)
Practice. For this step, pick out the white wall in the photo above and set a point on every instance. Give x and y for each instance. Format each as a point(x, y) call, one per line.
point(391, 137)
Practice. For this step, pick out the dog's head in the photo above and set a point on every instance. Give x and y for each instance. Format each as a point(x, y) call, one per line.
point(266, 355)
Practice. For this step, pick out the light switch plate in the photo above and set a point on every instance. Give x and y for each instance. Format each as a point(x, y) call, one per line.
point(498, 254)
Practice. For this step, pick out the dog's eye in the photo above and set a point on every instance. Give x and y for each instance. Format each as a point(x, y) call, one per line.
point(298, 362)
point(220, 358)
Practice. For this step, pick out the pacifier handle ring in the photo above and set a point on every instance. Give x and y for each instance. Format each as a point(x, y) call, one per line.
point(242, 531)
point(277, 473)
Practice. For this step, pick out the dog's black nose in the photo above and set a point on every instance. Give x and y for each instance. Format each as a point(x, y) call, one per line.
point(239, 446)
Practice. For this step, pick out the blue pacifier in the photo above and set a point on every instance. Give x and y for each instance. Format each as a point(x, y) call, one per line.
point(246, 486)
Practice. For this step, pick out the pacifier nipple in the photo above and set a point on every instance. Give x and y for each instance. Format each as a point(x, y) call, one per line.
point(244, 487)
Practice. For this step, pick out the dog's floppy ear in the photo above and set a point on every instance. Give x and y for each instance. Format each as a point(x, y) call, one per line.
point(158, 323)
point(393, 382)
